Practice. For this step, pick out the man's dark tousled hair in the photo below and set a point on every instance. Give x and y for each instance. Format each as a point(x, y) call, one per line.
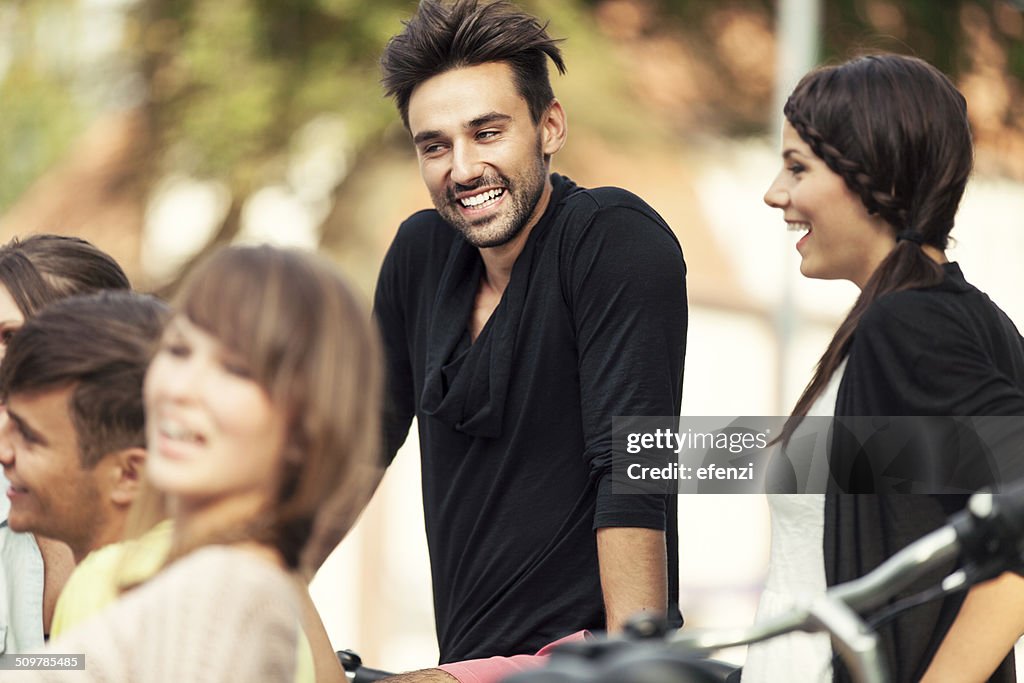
point(441, 37)
point(99, 344)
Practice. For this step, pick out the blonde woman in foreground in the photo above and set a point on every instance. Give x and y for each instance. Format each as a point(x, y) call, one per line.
point(262, 420)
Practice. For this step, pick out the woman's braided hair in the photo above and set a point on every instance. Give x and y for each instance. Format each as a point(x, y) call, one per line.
point(877, 201)
point(895, 129)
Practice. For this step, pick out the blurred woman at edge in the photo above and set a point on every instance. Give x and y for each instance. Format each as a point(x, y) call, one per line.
point(34, 272)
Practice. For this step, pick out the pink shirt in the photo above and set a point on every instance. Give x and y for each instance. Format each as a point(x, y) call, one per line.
point(493, 669)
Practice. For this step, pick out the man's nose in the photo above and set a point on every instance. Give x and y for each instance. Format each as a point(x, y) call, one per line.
point(467, 164)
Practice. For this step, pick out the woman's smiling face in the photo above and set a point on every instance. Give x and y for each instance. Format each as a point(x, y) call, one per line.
point(213, 432)
point(842, 241)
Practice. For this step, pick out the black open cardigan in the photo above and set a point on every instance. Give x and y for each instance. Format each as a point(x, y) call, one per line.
point(944, 350)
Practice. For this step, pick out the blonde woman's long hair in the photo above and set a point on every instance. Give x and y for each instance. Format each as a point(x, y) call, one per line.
point(310, 344)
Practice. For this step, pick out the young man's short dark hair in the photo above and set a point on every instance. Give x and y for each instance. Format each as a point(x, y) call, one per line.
point(442, 36)
point(99, 344)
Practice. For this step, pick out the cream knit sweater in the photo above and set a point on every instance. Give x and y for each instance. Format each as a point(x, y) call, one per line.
point(216, 615)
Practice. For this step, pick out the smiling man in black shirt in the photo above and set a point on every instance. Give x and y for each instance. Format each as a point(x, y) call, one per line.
point(518, 317)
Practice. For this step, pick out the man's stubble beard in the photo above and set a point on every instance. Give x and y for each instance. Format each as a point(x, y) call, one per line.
point(499, 229)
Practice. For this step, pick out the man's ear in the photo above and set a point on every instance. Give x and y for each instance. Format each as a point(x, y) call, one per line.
point(554, 128)
point(127, 469)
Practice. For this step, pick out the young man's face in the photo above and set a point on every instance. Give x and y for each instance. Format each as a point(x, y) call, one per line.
point(50, 492)
point(481, 154)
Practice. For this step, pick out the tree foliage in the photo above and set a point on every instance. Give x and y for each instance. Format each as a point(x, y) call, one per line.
point(227, 86)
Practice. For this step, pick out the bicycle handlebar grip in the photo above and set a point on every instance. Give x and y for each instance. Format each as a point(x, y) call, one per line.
point(991, 529)
point(352, 663)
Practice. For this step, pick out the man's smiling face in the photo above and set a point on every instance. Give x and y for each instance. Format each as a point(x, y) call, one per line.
point(481, 155)
point(51, 493)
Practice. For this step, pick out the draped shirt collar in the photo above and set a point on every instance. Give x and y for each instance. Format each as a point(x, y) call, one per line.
point(466, 383)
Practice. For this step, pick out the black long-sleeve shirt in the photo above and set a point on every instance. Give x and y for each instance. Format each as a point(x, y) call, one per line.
point(515, 427)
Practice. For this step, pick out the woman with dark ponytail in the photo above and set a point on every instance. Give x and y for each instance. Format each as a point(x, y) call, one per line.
point(876, 154)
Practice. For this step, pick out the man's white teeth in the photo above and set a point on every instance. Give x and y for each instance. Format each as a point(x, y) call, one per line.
point(797, 227)
point(478, 200)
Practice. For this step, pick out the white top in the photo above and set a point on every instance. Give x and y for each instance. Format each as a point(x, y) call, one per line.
point(796, 572)
point(21, 586)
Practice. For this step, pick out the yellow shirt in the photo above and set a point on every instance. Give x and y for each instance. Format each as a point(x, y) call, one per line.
point(96, 583)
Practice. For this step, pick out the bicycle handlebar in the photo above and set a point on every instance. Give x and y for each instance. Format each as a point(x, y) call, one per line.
point(352, 663)
point(859, 595)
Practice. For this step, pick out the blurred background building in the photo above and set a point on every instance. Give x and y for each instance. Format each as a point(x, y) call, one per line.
point(160, 129)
